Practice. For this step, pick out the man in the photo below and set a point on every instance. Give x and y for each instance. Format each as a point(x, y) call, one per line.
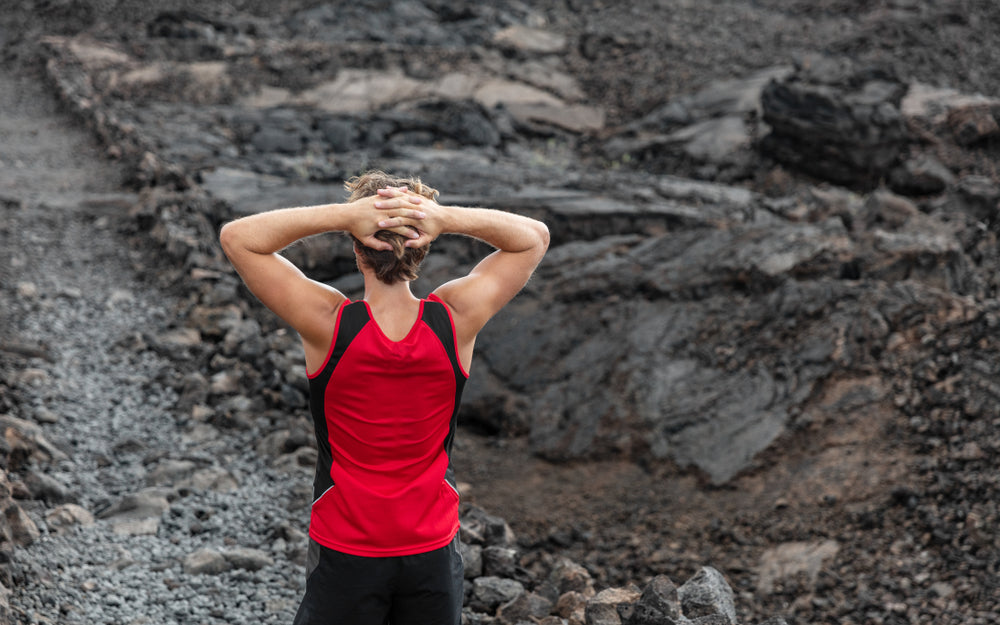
point(386, 377)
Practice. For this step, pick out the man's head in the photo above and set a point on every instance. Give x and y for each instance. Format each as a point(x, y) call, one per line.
point(401, 263)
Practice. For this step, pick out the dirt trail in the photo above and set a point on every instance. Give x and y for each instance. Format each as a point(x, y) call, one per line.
point(57, 194)
point(73, 294)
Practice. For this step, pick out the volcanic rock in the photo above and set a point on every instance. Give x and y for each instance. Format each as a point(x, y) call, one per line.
point(835, 121)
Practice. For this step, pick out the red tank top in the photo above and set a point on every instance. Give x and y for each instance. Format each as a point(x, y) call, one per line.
point(385, 414)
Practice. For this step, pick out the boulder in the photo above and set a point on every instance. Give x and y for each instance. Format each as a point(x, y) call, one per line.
point(835, 121)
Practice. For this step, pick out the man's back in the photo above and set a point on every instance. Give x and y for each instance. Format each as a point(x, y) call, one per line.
point(385, 413)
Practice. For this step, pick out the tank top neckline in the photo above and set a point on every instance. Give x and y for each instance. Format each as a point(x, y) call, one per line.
point(409, 333)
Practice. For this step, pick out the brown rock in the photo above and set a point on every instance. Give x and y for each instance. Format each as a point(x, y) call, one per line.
point(611, 606)
point(973, 124)
point(23, 530)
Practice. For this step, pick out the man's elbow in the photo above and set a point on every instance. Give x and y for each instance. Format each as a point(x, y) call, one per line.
point(228, 237)
point(542, 232)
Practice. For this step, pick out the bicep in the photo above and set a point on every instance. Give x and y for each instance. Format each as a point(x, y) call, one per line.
point(488, 288)
point(288, 293)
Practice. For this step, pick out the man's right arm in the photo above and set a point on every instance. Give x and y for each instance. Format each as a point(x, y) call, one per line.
point(521, 243)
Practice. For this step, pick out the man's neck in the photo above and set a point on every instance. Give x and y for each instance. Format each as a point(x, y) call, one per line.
point(380, 294)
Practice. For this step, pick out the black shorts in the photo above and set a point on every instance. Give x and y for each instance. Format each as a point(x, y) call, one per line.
point(422, 589)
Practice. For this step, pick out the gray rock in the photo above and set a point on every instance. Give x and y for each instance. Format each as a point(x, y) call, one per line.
point(835, 122)
point(924, 175)
point(169, 471)
point(480, 527)
point(276, 139)
point(247, 558)
point(206, 562)
point(707, 594)
point(27, 290)
point(225, 382)
point(711, 619)
point(571, 399)
point(465, 122)
point(490, 592)
point(244, 340)
point(528, 39)
point(179, 338)
point(135, 527)
point(472, 560)
point(658, 604)
point(47, 488)
point(145, 504)
point(45, 416)
point(217, 479)
point(214, 321)
point(341, 133)
point(238, 186)
point(714, 140)
point(525, 608)
point(500, 561)
point(66, 516)
point(980, 196)
point(738, 96)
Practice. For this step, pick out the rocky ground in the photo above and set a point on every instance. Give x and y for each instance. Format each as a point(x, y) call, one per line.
point(764, 339)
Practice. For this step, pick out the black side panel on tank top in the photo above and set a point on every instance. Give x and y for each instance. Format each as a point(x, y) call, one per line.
point(353, 317)
point(437, 319)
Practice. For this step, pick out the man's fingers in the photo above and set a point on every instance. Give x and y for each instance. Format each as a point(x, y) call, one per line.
point(406, 231)
point(420, 241)
point(404, 218)
point(397, 201)
point(392, 191)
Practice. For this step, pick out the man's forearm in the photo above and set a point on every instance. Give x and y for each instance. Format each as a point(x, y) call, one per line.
point(273, 231)
point(509, 232)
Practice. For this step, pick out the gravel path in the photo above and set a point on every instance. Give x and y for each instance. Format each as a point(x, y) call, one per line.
point(162, 486)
